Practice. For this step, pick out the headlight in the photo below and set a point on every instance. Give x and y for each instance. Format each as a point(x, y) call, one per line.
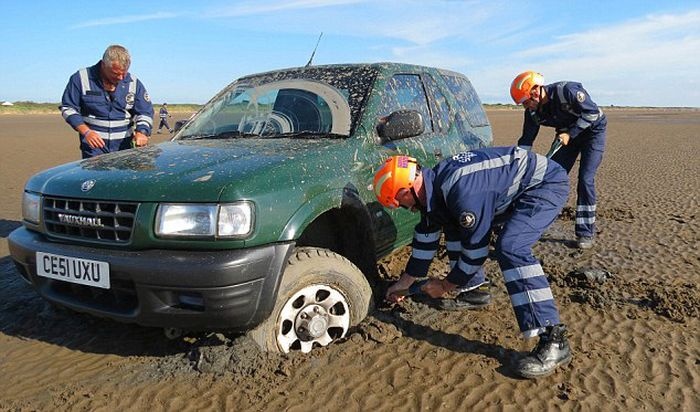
point(204, 220)
point(31, 207)
point(236, 219)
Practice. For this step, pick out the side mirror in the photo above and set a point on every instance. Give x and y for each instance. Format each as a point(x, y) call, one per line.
point(400, 125)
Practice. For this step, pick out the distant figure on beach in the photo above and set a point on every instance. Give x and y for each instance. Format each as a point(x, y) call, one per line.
point(580, 126)
point(464, 194)
point(108, 106)
point(164, 114)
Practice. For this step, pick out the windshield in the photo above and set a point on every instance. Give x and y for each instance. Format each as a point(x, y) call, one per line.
point(310, 102)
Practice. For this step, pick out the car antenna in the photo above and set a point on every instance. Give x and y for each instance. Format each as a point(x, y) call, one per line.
point(314, 52)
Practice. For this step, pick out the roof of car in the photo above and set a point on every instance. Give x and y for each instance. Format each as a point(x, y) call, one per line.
point(377, 66)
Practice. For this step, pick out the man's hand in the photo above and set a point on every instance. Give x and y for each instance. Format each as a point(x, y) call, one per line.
point(140, 139)
point(404, 282)
point(438, 288)
point(564, 137)
point(93, 139)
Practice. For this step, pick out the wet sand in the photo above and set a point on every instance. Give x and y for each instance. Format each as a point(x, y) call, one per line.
point(634, 336)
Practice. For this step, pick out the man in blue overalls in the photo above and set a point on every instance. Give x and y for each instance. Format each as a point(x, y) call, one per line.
point(108, 106)
point(466, 193)
point(164, 114)
point(580, 126)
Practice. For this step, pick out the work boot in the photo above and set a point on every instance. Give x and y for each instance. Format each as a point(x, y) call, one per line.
point(584, 242)
point(485, 285)
point(551, 352)
point(472, 299)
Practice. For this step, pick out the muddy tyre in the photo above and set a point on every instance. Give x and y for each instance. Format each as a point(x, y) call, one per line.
point(321, 296)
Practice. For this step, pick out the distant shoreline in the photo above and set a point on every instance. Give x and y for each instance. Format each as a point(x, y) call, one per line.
point(496, 107)
point(21, 108)
point(52, 108)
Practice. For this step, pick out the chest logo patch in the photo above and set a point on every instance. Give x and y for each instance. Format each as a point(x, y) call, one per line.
point(463, 157)
point(580, 96)
point(130, 98)
point(146, 97)
point(467, 220)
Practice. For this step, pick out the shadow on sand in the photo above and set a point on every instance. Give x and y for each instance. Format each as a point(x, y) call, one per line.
point(453, 342)
point(7, 226)
point(24, 314)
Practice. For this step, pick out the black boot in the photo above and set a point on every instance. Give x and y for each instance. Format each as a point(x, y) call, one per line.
point(551, 351)
point(473, 299)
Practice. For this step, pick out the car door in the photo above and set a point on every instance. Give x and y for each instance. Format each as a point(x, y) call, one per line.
point(407, 91)
point(469, 119)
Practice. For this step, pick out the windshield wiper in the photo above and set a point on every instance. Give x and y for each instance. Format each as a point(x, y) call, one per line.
point(222, 135)
point(307, 134)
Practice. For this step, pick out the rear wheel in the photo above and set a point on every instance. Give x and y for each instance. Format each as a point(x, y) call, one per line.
point(321, 296)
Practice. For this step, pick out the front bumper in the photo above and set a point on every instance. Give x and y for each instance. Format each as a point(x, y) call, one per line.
point(191, 290)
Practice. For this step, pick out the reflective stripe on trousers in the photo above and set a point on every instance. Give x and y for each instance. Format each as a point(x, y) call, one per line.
point(527, 285)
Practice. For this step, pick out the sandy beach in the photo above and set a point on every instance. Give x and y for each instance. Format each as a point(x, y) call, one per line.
point(635, 336)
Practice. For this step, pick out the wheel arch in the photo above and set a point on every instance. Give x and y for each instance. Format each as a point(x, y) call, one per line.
point(337, 220)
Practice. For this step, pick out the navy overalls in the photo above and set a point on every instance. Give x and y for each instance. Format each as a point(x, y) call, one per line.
point(465, 194)
point(163, 114)
point(114, 115)
point(570, 109)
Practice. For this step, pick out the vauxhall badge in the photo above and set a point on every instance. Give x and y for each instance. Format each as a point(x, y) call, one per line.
point(87, 185)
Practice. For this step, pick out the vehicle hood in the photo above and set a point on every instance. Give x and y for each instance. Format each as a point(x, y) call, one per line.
point(179, 171)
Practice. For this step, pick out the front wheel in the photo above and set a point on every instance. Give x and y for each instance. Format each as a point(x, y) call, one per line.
point(321, 296)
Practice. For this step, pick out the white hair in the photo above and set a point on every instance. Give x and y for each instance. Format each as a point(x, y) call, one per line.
point(118, 54)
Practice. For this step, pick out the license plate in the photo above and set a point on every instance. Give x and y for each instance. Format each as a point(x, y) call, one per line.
point(74, 270)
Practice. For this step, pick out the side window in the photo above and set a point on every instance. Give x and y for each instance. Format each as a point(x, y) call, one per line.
point(467, 99)
point(405, 91)
point(438, 105)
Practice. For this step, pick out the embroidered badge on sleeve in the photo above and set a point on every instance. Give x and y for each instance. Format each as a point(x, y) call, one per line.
point(467, 220)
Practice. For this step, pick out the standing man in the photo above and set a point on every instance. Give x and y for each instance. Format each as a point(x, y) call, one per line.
point(108, 106)
point(580, 126)
point(466, 192)
point(163, 114)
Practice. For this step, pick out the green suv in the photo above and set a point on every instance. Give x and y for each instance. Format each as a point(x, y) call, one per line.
point(258, 216)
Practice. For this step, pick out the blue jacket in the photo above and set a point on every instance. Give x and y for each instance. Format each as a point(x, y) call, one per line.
point(569, 109)
point(113, 115)
point(467, 192)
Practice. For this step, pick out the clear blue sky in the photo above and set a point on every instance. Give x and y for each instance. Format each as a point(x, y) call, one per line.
point(636, 53)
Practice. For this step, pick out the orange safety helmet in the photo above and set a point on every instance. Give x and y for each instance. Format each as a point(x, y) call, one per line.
point(398, 172)
point(523, 83)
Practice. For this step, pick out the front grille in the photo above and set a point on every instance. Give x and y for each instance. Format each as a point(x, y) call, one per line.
point(91, 220)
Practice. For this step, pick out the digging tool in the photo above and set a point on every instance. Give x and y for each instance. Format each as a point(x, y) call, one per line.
point(556, 145)
point(414, 289)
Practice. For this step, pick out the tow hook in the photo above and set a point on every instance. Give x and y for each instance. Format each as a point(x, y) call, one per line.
point(172, 333)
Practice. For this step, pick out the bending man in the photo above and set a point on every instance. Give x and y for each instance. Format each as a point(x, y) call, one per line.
point(466, 193)
point(580, 126)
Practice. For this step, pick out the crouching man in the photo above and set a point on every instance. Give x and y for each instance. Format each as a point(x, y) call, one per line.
point(466, 193)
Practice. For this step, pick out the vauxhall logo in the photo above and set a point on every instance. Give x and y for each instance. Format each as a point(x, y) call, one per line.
point(87, 185)
point(80, 220)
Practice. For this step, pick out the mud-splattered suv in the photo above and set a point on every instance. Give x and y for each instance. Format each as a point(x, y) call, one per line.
point(258, 215)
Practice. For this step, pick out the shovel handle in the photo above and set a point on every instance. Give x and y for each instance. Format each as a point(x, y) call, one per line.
point(414, 289)
point(556, 145)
